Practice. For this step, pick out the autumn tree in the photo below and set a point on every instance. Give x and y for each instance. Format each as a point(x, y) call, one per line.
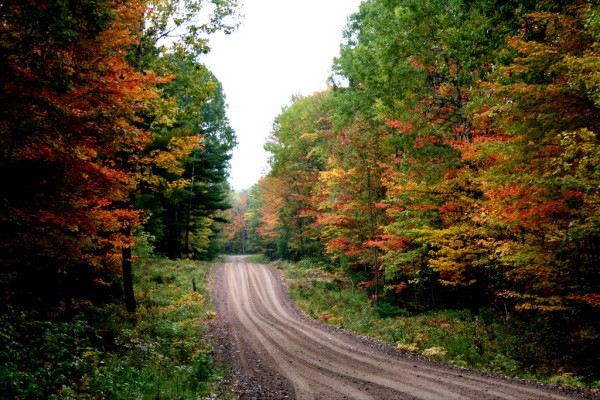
point(187, 160)
point(483, 182)
point(459, 164)
point(542, 203)
point(298, 153)
point(236, 233)
point(71, 106)
point(84, 128)
point(552, 119)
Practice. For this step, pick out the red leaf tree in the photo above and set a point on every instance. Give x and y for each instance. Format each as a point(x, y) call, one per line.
point(69, 135)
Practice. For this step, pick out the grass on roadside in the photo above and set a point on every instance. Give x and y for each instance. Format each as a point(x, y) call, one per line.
point(163, 354)
point(106, 353)
point(459, 337)
point(258, 259)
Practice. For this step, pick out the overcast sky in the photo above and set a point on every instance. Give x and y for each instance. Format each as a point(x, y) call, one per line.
point(284, 47)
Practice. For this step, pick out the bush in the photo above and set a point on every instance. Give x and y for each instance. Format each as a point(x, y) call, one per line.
point(105, 352)
point(475, 339)
point(40, 358)
point(258, 259)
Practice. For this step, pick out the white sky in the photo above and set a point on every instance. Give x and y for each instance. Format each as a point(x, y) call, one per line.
point(284, 47)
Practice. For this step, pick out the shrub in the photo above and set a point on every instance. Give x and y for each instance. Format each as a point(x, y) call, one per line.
point(105, 352)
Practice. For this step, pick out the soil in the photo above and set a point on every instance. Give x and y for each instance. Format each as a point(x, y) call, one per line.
point(275, 352)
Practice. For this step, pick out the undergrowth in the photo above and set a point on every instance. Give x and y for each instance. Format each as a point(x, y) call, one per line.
point(462, 337)
point(107, 353)
point(258, 259)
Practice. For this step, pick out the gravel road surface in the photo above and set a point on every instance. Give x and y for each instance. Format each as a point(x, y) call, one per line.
point(277, 353)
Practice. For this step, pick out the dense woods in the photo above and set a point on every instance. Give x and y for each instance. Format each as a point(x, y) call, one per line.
point(108, 136)
point(114, 143)
point(454, 162)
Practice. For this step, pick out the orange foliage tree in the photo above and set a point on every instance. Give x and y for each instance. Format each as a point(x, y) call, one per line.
point(235, 233)
point(349, 198)
point(548, 203)
point(460, 164)
point(69, 133)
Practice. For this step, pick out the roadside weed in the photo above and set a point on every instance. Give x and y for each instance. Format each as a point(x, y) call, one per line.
point(107, 353)
point(461, 337)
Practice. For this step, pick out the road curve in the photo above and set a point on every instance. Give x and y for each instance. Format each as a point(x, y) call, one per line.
point(281, 354)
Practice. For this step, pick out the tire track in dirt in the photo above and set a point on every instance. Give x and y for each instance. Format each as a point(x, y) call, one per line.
point(280, 354)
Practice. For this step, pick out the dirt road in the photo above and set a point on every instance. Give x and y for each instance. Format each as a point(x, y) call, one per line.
point(277, 353)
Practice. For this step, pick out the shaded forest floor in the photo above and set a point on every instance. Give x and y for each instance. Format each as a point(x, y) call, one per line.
point(106, 353)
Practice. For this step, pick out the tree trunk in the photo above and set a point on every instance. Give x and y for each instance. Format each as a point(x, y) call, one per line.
point(130, 303)
point(188, 227)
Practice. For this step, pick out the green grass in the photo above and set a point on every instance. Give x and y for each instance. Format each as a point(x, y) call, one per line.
point(162, 354)
point(258, 259)
point(459, 337)
point(107, 353)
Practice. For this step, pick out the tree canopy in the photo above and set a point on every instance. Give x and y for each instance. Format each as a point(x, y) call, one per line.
point(105, 132)
point(454, 162)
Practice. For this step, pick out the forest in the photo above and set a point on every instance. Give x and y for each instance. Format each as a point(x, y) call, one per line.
point(114, 145)
point(452, 163)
